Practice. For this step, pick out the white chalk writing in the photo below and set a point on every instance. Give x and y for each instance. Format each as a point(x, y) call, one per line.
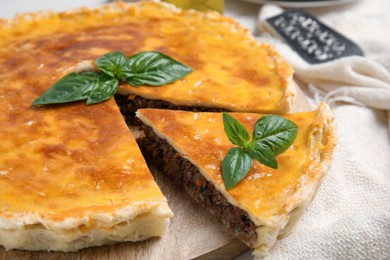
point(310, 36)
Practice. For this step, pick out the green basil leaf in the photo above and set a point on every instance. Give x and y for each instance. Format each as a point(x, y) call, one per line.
point(276, 132)
point(235, 166)
point(72, 87)
point(112, 64)
point(154, 69)
point(263, 154)
point(151, 68)
point(104, 88)
point(235, 131)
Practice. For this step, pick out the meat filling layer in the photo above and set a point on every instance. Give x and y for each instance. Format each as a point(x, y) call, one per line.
point(165, 158)
point(129, 104)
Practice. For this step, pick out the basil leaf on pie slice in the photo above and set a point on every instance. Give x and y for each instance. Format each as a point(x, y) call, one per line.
point(263, 154)
point(276, 132)
point(235, 166)
point(235, 131)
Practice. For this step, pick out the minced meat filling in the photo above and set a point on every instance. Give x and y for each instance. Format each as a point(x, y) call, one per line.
point(184, 173)
point(129, 104)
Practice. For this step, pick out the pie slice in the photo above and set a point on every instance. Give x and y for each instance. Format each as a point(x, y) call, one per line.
point(72, 177)
point(266, 204)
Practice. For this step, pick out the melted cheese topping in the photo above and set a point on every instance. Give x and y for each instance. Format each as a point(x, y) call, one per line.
point(65, 161)
point(266, 194)
point(231, 70)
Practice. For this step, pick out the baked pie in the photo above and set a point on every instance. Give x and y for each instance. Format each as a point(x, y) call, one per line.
point(72, 176)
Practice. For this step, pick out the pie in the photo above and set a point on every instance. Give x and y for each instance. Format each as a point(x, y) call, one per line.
point(265, 205)
point(72, 176)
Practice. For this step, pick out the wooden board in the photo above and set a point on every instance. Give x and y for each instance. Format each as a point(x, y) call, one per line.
point(192, 234)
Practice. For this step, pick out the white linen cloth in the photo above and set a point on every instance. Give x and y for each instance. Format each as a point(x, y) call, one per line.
point(350, 217)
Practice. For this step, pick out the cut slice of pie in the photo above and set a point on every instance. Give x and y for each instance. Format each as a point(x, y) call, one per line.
point(267, 203)
point(72, 177)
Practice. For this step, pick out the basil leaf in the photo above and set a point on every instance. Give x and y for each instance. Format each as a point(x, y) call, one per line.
point(72, 87)
point(235, 131)
point(263, 154)
point(235, 166)
point(271, 136)
point(276, 132)
point(104, 88)
point(153, 68)
point(112, 64)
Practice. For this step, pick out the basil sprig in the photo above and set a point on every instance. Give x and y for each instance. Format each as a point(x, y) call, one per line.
point(271, 136)
point(146, 68)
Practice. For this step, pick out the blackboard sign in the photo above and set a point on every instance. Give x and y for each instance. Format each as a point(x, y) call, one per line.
point(312, 40)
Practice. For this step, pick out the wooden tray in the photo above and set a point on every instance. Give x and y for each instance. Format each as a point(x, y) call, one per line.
point(192, 234)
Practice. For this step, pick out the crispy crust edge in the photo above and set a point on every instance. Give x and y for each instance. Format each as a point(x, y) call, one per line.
point(34, 232)
point(323, 141)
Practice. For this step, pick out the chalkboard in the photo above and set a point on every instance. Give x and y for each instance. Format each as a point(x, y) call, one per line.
point(312, 40)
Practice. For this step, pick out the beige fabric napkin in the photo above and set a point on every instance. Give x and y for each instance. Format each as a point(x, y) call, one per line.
point(350, 217)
